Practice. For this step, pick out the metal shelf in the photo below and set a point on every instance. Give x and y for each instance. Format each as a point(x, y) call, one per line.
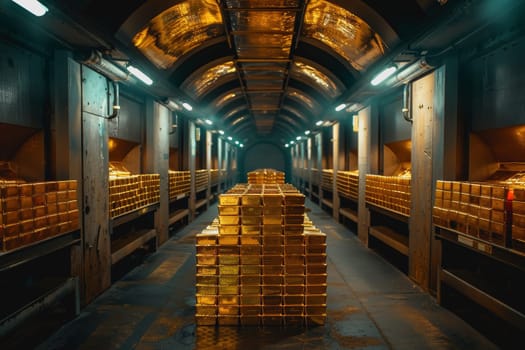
point(327, 202)
point(508, 256)
point(179, 197)
point(35, 250)
point(201, 203)
point(349, 214)
point(388, 212)
point(391, 238)
point(178, 215)
point(122, 247)
point(132, 215)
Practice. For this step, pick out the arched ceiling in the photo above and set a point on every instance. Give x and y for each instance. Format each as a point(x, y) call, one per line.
point(260, 68)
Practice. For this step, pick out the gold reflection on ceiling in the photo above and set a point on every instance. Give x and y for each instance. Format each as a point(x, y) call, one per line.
point(298, 95)
point(343, 32)
point(197, 87)
point(317, 78)
point(226, 98)
point(178, 30)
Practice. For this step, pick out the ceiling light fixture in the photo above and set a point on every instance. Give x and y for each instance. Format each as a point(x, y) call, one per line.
point(187, 106)
point(241, 145)
point(292, 142)
point(298, 138)
point(207, 121)
point(221, 132)
point(340, 107)
point(286, 145)
point(319, 122)
point(230, 138)
point(236, 142)
point(307, 132)
point(139, 75)
point(33, 6)
point(378, 79)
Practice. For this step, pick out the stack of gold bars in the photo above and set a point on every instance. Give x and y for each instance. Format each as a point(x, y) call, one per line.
point(179, 183)
point(30, 212)
point(262, 262)
point(390, 192)
point(130, 192)
point(327, 179)
point(214, 176)
point(202, 178)
point(348, 184)
point(265, 176)
point(482, 210)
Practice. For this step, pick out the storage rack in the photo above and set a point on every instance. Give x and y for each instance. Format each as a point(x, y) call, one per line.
point(348, 191)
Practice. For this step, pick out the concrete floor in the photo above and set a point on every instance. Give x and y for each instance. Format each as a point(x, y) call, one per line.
point(371, 305)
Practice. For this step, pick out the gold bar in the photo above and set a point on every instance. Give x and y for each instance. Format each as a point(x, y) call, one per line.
point(229, 199)
point(228, 239)
point(273, 270)
point(272, 220)
point(228, 270)
point(293, 299)
point(294, 239)
point(228, 210)
point(250, 269)
point(251, 229)
point(206, 290)
point(228, 260)
point(295, 269)
point(272, 229)
point(251, 220)
point(316, 279)
point(224, 320)
point(250, 289)
point(203, 320)
point(294, 249)
point(272, 211)
point(250, 240)
point(295, 279)
point(294, 219)
point(316, 249)
point(272, 280)
point(207, 270)
point(272, 309)
point(250, 259)
point(228, 290)
point(316, 289)
point(228, 310)
point(206, 310)
point(252, 300)
point(271, 298)
point(229, 220)
point(254, 249)
point(294, 310)
point(251, 211)
point(228, 229)
point(316, 268)
point(250, 280)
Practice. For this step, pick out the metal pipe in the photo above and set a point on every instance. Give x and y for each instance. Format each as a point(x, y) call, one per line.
point(407, 96)
point(411, 72)
point(116, 105)
point(105, 67)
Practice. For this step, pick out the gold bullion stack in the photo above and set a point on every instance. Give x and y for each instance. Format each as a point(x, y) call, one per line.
point(265, 176)
point(265, 264)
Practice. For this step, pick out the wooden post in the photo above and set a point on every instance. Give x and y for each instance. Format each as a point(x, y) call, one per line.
point(220, 143)
point(420, 223)
point(192, 151)
point(309, 161)
point(319, 165)
point(158, 124)
point(209, 142)
point(97, 240)
point(335, 167)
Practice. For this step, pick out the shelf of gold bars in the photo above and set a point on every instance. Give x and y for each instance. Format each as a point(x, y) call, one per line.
point(265, 176)
point(129, 192)
point(348, 184)
point(389, 192)
point(492, 212)
point(261, 262)
point(202, 179)
point(179, 183)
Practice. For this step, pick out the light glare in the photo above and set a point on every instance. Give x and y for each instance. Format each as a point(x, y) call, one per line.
point(140, 75)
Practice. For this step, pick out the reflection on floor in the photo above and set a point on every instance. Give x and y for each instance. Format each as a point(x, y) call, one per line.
point(370, 305)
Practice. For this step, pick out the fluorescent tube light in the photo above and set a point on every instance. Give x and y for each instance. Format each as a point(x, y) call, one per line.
point(307, 132)
point(236, 142)
point(221, 132)
point(209, 122)
point(187, 106)
point(287, 145)
point(319, 122)
point(33, 6)
point(298, 138)
point(378, 79)
point(340, 107)
point(230, 138)
point(241, 145)
point(140, 75)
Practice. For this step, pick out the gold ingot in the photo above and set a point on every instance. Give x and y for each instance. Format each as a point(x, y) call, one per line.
point(294, 249)
point(250, 259)
point(226, 320)
point(250, 239)
point(228, 280)
point(229, 250)
point(206, 249)
point(316, 279)
point(251, 211)
point(229, 199)
point(315, 310)
point(251, 200)
point(294, 209)
point(271, 299)
point(293, 229)
point(293, 310)
point(228, 239)
point(290, 239)
point(228, 270)
point(251, 300)
point(273, 240)
point(316, 269)
point(228, 290)
point(206, 280)
point(228, 310)
point(250, 269)
point(272, 249)
point(206, 239)
point(228, 210)
point(250, 229)
point(272, 309)
point(295, 279)
point(294, 219)
point(253, 249)
point(272, 199)
point(250, 280)
point(203, 320)
point(206, 290)
point(206, 270)
point(273, 270)
point(315, 299)
point(315, 238)
point(294, 321)
point(272, 220)
point(228, 229)
point(228, 300)
point(316, 249)
point(250, 289)
point(290, 299)
point(315, 289)
point(295, 269)
point(315, 259)
point(251, 220)
point(315, 320)
point(294, 199)
point(206, 310)
point(272, 260)
point(228, 259)
point(272, 230)
point(250, 320)
point(272, 279)
point(294, 289)
point(272, 210)
point(229, 220)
